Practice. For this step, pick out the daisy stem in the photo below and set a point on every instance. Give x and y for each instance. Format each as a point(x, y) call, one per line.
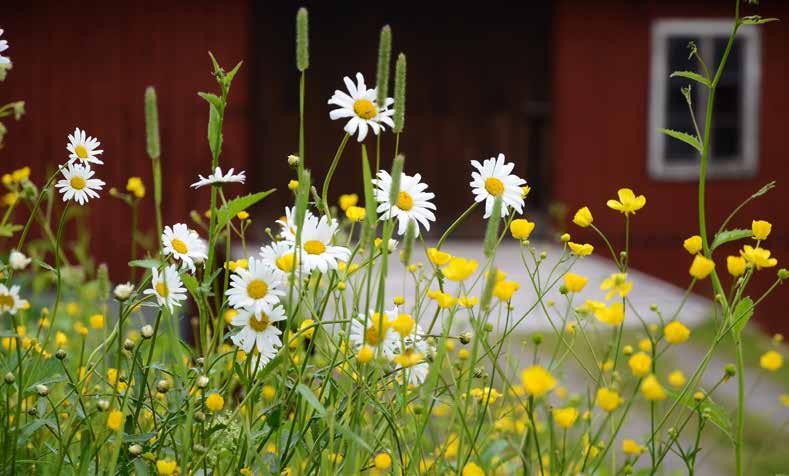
point(330, 174)
point(455, 224)
point(147, 369)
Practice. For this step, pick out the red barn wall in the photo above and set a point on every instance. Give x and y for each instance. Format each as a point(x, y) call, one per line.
point(601, 71)
point(87, 64)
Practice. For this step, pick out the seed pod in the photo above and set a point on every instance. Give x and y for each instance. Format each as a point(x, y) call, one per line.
point(152, 124)
point(384, 59)
point(399, 104)
point(302, 40)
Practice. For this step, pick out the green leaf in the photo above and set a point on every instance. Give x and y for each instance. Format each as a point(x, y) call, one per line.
point(212, 99)
point(232, 74)
point(727, 236)
point(214, 130)
point(691, 75)
point(347, 433)
point(44, 265)
point(8, 230)
point(145, 263)
point(310, 398)
point(684, 137)
point(756, 20)
point(742, 314)
point(717, 414)
point(238, 204)
point(191, 284)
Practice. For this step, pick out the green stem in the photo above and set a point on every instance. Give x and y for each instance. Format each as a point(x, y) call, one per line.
point(330, 174)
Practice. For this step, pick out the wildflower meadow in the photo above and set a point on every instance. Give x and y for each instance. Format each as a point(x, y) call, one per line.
point(217, 354)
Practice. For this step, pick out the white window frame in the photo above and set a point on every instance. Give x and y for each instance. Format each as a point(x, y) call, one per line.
point(745, 165)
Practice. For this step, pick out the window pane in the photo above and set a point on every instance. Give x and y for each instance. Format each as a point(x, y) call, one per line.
point(726, 129)
point(677, 113)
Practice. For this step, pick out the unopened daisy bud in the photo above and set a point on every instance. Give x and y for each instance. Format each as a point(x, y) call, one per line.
point(479, 372)
point(9, 378)
point(730, 371)
point(293, 185)
point(293, 160)
point(135, 450)
point(128, 344)
point(302, 40)
point(103, 405)
point(492, 229)
point(32, 411)
point(163, 386)
point(152, 124)
point(399, 94)
point(199, 416)
point(146, 331)
point(42, 390)
point(202, 381)
point(60, 354)
point(123, 291)
point(200, 361)
point(396, 173)
point(384, 60)
point(465, 338)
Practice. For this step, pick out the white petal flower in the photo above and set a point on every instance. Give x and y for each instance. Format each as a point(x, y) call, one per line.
point(167, 287)
point(413, 202)
point(317, 251)
point(10, 301)
point(258, 332)
point(77, 183)
point(123, 291)
point(256, 287)
point(288, 223)
point(279, 255)
point(18, 260)
point(83, 148)
point(377, 330)
point(412, 359)
point(360, 105)
point(184, 244)
point(3, 47)
point(217, 177)
point(494, 178)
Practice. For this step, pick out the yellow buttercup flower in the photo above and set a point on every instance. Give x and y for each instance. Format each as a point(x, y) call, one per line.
point(404, 324)
point(581, 249)
point(771, 361)
point(583, 217)
point(9, 199)
point(761, 229)
point(96, 321)
point(537, 381)
point(617, 283)
point(214, 402)
point(485, 394)
point(652, 389)
point(521, 229)
point(472, 469)
point(628, 202)
point(640, 364)
point(348, 200)
point(136, 187)
point(355, 214)
point(735, 265)
point(631, 447)
point(504, 290)
point(565, 417)
point(438, 257)
point(612, 315)
point(608, 399)
point(676, 332)
point(166, 467)
point(758, 257)
point(365, 354)
point(242, 215)
point(459, 269)
point(20, 175)
point(444, 300)
point(676, 379)
point(693, 244)
point(293, 185)
point(575, 282)
point(468, 301)
point(645, 345)
point(269, 392)
point(114, 420)
point(701, 267)
point(382, 461)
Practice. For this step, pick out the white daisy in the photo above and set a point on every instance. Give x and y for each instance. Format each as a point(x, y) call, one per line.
point(83, 148)
point(184, 244)
point(413, 202)
point(10, 301)
point(78, 184)
point(288, 223)
point(167, 287)
point(217, 177)
point(3, 47)
point(378, 331)
point(257, 331)
point(412, 360)
point(279, 255)
point(18, 260)
point(492, 179)
point(360, 104)
point(256, 287)
point(317, 252)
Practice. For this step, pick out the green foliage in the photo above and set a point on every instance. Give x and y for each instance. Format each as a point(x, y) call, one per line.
point(684, 137)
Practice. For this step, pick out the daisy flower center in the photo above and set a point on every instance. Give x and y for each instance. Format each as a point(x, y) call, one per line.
point(405, 201)
point(365, 109)
point(6, 300)
point(81, 151)
point(314, 247)
point(77, 183)
point(286, 262)
point(257, 289)
point(494, 186)
point(161, 289)
point(179, 246)
point(259, 325)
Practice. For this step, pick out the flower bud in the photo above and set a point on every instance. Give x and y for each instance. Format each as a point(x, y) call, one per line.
point(162, 386)
point(42, 390)
point(202, 381)
point(488, 327)
point(293, 160)
point(9, 378)
point(537, 338)
point(128, 344)
point(147, 331)
point(32, 411)
point(60, 354)
point(123, 291)
point(135, 450)
point(730, 371)
point(200, 361)
point(199, 416)
point(465, 338)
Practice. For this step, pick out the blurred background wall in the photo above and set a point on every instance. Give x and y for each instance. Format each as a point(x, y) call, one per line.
point(565, 89)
